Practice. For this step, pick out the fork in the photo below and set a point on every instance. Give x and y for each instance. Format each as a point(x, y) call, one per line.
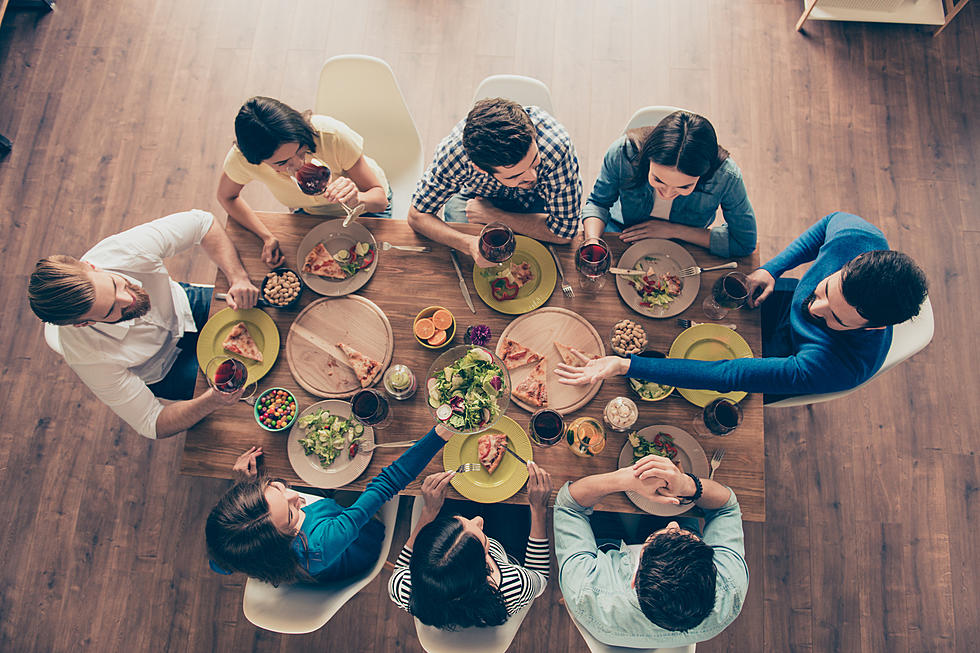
point(385, 245)
point(467, 467)
point(565, 286)
point(716, 460)
point(695, 270)
point(685, 323)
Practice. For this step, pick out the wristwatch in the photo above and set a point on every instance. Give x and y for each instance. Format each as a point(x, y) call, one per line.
point(699, 490)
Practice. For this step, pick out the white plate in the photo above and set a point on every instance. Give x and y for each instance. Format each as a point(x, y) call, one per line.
point(671, 258)
point(335, 237)
point(343, 469)
point(689, 454)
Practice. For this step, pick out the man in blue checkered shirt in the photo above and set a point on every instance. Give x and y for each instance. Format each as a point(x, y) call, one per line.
point(504, 163)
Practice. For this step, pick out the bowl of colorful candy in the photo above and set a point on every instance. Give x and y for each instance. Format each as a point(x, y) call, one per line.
point(276, 410)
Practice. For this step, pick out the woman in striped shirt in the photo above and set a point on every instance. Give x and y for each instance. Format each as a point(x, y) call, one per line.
point(460, 577)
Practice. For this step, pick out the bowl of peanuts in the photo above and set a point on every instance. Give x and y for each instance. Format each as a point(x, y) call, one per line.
point(628, 337)
point(281, 288)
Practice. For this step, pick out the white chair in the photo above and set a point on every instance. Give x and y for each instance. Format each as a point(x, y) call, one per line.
point(297, 609)
point(362, 92)
point(53, 338)
point(598, 647)
point(472, 640)
point(908, 338)
point(649, 116)
point(526, 91)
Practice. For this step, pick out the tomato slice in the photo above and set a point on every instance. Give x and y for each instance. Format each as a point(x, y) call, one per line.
point(367, 260)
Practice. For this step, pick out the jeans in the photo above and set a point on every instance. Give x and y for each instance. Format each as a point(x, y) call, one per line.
point(178, 385)
point(455, 208)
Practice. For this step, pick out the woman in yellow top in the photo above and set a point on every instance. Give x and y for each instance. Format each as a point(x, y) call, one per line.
point(272, 142)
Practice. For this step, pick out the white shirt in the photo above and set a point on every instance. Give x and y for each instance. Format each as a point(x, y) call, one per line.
point(117, 361)
point(661, 207)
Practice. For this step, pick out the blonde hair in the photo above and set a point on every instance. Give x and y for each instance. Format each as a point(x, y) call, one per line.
point(60, 290)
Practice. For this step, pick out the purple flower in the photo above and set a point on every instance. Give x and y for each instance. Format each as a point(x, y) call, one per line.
point(478, 334)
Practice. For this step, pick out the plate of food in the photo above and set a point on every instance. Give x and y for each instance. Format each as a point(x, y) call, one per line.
point(709, 342)
point(325, 445)
point(336, 261)
point(468, 389)
point(521, 284)
point(669, 442)
point(657, 290)
point(531, 347)
point(338, 345)
point(500, 475)
point(249, 335)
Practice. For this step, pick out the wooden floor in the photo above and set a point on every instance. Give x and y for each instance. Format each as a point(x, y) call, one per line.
point(121, 111)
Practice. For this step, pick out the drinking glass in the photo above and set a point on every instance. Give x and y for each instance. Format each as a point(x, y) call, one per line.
point(547, 427)
point(729, 291)
point(720, 417)
point(227, 375)
point(313, 177)
point(586, 437)
point(497, 242)
point(592, 260)
point(371, 407)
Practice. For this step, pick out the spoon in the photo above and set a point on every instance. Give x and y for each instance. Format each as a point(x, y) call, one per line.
point(385, 245)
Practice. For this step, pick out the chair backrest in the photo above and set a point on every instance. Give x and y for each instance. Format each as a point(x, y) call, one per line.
point(471, 640)
point(362, 91)
point(53, 338)
point(649, 116)
point(523, 90)
point(908, 338)
point(598, 647)
point(296, 609)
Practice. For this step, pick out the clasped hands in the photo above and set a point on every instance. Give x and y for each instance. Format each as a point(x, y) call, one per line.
point(656, 478)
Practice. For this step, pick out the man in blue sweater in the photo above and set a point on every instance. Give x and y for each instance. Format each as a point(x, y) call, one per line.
point(827, 332)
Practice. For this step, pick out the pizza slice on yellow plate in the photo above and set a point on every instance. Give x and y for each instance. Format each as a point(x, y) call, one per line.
point(321, 263)
point(534, 389)
point(364, 368)
point(515, 355)
point(240, 341)
point(491, 450)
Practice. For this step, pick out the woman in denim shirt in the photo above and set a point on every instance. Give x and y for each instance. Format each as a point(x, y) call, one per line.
point(678, 173)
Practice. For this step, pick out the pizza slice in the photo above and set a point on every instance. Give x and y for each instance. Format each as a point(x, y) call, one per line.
point(515, 355)
point(568, 357)
point(321, 263)
point(241, 342)
point(534, 389)
point(364, 368)
point(491, 450)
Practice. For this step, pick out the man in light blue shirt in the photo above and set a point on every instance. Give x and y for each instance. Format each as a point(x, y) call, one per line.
point(680, 588)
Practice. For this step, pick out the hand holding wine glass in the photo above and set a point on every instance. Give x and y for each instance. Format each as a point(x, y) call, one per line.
point(497, 242)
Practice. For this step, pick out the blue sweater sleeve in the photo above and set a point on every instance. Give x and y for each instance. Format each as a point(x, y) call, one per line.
point(737, 237)
point(605, 191)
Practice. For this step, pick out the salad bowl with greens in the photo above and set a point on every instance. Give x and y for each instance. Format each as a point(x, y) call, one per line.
point(468, 389)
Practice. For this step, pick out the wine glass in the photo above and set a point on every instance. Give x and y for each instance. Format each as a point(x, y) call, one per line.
point(227, 375)
point(729, 291)
point(720, 417)
point(313, 178)
point(497, 243)
point(371, 407)
point(547, 427)
point(592, 262)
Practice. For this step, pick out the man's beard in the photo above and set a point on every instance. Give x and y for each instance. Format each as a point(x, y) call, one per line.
point(141, 306)
point(807, 315)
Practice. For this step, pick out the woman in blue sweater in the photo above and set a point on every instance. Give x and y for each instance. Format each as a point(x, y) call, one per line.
point(263, 529)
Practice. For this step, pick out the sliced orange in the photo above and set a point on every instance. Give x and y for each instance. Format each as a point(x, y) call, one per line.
point(424, 328)
point(442, 318)
point(438, 338)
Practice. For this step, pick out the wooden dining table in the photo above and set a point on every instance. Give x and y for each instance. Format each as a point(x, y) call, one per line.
point(405, 282)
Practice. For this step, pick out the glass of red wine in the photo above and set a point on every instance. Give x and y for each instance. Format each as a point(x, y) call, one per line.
point(228, 375)
point(371, 407)
point(547, 427)
point(730, 291)
point(497, 243)
point(592, 261)
point(313, 177)
point(720, 417)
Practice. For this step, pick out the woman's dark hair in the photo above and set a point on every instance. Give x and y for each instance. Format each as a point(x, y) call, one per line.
point(449, 579)
point(241, 536)
point(497, 133)
point(682, 140)
point(884, 286)
point(675, 582)
point(263, 124)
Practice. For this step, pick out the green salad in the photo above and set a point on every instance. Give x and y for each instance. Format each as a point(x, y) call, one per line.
point(327, 435)
point(662, 444)
point(649, 390)
point(465, 393)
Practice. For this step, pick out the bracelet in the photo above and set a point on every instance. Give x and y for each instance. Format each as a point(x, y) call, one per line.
point(699, 490)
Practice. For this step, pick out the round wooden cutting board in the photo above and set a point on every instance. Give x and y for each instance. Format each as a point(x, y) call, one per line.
point(316, 362)
point(538, 330)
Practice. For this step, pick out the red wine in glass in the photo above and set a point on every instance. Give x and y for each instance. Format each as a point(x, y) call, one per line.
point(592, 261)
point(230, 375)
point(729, 291)
point(370, 407)
point(497, 243)
point(313, 177)
point(547, 427)
point(722, 416)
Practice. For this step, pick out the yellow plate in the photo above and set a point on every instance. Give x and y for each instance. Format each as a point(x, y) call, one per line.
point(507, 479)
point(709, 342)
point(532, 294)
point(259, 324)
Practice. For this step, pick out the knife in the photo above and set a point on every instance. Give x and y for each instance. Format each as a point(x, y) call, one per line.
point(508, 450)
point(462, 282)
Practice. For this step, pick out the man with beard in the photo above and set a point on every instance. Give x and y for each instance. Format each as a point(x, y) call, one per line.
point(128, 330)
point(827, 332)
point(503, 163)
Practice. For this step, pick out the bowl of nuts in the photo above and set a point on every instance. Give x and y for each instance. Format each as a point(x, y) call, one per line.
point(627, 338)
point(281, 288)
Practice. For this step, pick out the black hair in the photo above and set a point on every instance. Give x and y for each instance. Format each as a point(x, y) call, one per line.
point(497, 133)
point(263, 124)
point(884, 286)
point(449, 573)
point(675, 582)
point(682, 140)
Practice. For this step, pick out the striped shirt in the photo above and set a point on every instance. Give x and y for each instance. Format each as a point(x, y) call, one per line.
point(559, 183)
point(518, 585)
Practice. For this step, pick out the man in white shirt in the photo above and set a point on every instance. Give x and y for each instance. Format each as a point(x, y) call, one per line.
point(122, 320)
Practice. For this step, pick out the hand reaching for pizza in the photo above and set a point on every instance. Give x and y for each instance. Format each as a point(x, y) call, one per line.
point(242, 294)
point(538, 486)
point(247, 463)
point(341, 189)
point(593, 370)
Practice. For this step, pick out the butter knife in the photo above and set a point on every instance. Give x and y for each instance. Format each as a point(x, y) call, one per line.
point(462, 282)
point(511, 452)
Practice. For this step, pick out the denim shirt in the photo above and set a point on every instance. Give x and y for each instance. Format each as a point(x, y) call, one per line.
point(613, 197)
point(597, 584)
